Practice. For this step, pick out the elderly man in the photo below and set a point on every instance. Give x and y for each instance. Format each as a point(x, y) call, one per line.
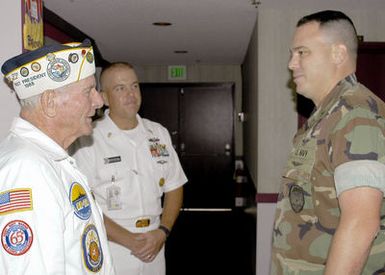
point(49, 220)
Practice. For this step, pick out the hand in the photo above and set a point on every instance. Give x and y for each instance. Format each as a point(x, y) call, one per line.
point(153, 242)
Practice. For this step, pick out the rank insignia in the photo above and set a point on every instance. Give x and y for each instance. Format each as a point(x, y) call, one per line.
point(297, 198)
point(92, 249)
point(17, 237)
point(80, 202)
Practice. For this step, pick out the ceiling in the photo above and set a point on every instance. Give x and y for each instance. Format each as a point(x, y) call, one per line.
point(212, 31)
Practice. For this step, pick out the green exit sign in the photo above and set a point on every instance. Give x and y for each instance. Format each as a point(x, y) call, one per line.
point(177, 72)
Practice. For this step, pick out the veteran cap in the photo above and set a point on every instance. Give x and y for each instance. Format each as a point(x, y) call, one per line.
point(49, 67)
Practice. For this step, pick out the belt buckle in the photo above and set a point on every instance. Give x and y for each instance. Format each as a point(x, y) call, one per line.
point(142, 223)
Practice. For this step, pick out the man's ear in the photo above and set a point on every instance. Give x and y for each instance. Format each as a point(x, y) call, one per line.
point(339, 53)
point(48, 103)
point(105, 97)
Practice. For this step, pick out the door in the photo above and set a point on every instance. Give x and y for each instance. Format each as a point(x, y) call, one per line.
point(371, 67)
point(199, 118)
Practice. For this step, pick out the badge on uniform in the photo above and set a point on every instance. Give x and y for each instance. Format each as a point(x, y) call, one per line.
point(161, 182)
point(80, 202)
point(92, 250)
point(112, 159)
point(157, 149)
point(297, 198)
point(114, 201)
point(15, 200)
point(17, 237)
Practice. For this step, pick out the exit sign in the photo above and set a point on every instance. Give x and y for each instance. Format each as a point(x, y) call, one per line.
point(177, 72)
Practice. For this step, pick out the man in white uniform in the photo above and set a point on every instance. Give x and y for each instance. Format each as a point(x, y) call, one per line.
point(49, 221)
point(130, 163)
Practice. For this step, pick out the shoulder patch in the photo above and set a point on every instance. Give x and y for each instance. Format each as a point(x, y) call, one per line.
point(92, 249)
point(17, 237)
point(15, 200)
point(80, 202)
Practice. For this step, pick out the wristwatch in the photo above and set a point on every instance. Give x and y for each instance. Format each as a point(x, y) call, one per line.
point(164, 229)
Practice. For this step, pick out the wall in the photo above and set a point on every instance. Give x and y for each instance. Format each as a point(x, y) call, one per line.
point(204, 74)
point(10, 15)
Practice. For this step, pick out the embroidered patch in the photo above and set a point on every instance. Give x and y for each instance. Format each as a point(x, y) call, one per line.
point(92, 250)
point(80, 202)
point(15, 200)
point(58, 69)
point(17, 237)
point(297, 198)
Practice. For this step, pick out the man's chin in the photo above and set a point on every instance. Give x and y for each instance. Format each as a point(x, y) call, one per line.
point(87, 131)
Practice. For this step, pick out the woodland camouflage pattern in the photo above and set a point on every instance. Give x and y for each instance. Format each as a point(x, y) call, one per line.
point(349, 125)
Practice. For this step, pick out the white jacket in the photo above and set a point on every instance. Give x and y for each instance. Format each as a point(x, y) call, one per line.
point(49, 221)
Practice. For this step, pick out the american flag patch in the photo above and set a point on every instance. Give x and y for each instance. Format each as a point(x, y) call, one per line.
point(15, 200)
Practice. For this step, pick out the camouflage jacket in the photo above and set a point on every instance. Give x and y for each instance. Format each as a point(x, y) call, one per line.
point(349, 125)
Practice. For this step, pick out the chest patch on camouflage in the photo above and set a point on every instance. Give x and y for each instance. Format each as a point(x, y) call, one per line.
point(297, 198)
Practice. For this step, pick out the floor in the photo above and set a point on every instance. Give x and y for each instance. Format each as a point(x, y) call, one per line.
point(212, 243)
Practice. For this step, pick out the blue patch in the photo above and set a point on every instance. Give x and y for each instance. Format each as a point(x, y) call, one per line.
point(80, 202)
point(92, 250)
point(17, 237)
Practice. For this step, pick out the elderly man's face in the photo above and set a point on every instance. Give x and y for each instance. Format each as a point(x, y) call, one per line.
point(76, 107)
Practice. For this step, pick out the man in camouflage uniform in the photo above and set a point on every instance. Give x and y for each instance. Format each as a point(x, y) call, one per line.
point(330, 216)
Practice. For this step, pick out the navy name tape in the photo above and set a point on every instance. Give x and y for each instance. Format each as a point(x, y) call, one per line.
point(112, 159)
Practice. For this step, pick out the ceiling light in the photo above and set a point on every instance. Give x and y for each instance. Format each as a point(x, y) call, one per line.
point(162, 24)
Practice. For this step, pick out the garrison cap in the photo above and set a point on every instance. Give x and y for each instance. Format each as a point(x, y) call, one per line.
point(49, 67)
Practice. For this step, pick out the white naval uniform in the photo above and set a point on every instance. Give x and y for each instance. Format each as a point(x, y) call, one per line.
point(62, 231)
point(139, 165)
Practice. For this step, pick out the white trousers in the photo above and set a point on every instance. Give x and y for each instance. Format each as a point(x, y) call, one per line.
point(127, 264)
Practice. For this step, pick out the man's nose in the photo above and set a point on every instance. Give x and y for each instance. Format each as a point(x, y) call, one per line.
point(293, 63)
point(97, 99)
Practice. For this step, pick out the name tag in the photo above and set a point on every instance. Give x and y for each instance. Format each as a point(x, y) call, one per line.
point(112, 160)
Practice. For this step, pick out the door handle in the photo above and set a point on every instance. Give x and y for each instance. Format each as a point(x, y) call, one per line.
point(227, 149)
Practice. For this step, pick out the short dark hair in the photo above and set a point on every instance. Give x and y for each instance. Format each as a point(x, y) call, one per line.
point(116, 64)
point(112, 66)
point(326, 16)
point(336, 23)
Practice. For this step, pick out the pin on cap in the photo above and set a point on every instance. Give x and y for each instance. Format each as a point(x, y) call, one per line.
point(49, 67)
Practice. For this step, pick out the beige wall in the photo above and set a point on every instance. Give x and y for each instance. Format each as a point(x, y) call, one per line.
point(203, 74)
point(10, 15)
point(275, 122)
